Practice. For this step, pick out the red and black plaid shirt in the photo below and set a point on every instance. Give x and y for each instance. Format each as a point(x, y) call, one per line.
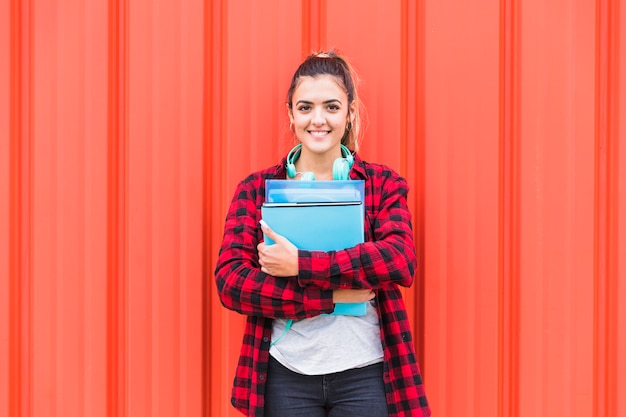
point(384, 262)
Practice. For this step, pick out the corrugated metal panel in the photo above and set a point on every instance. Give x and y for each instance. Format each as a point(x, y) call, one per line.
point(125, 126)
point(522, 236)
point(105, 210)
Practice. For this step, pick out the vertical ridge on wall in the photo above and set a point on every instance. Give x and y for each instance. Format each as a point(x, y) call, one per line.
point(192, 44)
point(412, 149)
point(116, 216)
point(419, 163)
point(145, 346)
point(605, 208)
point(6, 203)
point(216, 392)
point(509, 218)
point(20, 210)
point(406, 82)
point(313, 26)
point(207, 247)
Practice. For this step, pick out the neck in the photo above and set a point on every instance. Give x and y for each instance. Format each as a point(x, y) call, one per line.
point(322, 170)
point(320, 165)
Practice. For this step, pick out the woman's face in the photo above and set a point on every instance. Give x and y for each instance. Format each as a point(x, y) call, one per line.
point(319, 114)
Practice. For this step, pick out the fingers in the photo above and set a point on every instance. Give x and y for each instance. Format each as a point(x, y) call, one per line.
point(273, 236)
point(266, 229)
point(277, 256)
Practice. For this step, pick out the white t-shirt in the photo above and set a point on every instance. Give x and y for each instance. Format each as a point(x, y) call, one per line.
point(327, 344)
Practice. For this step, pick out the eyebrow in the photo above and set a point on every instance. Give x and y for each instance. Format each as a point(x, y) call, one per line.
point(333, 100)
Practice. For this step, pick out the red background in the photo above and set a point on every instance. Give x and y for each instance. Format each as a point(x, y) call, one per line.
point(125, 126)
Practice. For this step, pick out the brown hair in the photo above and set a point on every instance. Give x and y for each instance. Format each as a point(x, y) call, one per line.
point(335, 64)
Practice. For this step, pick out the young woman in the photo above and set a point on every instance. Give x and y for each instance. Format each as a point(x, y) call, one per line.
point(296, 359)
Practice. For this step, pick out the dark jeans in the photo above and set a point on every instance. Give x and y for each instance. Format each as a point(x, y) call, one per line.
point(352, 393)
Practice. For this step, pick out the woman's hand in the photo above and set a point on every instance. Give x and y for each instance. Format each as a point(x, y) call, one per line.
point(352, 296)
point(279, 259)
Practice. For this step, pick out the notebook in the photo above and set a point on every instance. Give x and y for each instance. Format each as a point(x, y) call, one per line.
point(318, 215)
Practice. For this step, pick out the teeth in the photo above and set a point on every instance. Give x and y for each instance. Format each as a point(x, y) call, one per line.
point(319, 133)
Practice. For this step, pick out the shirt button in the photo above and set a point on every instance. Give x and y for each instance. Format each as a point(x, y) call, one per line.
point(261, 377)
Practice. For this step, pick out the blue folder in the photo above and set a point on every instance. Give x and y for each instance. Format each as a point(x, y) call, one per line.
point(285, 191)
point(313, 219)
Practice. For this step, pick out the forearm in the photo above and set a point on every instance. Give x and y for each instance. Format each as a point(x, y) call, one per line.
point(255, 293)
point(368, 265)
point(388, 257)
point(241, 284)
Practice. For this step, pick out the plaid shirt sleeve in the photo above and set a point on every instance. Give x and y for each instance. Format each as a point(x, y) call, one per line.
point(388, 256)
point(241, 285)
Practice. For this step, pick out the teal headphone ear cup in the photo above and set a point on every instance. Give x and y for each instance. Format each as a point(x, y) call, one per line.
point(291, 170)
point(291, 158)
point(342, 166)
point(348, 155)
point(341, 169)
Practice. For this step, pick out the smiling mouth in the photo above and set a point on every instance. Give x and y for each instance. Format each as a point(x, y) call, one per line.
point(319, 132)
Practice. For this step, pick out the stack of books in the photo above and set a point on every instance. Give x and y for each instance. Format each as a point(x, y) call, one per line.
point(318, 215)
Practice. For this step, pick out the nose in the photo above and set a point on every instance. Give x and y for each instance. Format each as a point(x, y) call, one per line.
point(318, 118)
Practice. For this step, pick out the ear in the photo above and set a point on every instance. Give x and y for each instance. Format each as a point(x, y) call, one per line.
point(352, 112)
point(289, 112)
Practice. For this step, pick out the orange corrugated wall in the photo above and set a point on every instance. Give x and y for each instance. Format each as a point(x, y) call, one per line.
point(126, 124)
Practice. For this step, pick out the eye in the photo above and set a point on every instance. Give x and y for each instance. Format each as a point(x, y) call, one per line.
point(333, 107)
point(304, 107)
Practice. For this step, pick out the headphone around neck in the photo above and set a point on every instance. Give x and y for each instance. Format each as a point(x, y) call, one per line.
point(341, 166)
